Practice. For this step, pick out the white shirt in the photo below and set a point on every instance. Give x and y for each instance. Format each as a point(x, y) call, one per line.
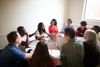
point(40, 35)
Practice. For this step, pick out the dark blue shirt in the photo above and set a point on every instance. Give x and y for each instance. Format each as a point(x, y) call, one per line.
point(11, 56)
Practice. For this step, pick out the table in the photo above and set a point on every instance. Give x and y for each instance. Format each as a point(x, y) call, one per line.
point(52, 48)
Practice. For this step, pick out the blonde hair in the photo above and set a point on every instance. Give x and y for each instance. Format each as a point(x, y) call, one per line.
point(90, 36)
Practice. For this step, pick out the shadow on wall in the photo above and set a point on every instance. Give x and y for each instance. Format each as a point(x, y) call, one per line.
point(3, 41)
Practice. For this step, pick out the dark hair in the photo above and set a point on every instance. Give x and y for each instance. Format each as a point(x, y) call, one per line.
point(54, 21)
point(70, 20)
point(96, 28)
point(83, 23)
point(40, 29)
point(21, 30)
point(69, 32)
point(41, 57)
point(12, 36)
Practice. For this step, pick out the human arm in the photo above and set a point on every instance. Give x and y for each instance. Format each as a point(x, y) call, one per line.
point(32, 34)
point(28, 56)
point(27, 39)
point(50, 30)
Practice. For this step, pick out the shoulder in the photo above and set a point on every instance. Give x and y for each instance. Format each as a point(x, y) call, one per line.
point(15, 50)
point(64, 44)
point(79, 44)
point(79, 28)
point(11, 47)
point(37, 32)
point(18, 53)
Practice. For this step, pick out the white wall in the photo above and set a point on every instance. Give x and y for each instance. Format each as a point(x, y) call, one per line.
point(75, 10)
point(29, 13)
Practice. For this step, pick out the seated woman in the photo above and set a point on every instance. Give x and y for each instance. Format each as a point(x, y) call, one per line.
point(40, 32)
point(81, 30)
point(53, 27)
point(53, 30)
point(91, 58)
point(96, 28)
point(41, 57)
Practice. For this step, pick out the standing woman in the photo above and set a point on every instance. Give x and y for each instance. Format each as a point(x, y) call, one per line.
point(40, 32)
point(53, 27)
point(91, 58)
point(41, 57)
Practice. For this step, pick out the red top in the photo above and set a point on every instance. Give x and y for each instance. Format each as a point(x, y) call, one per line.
point(53, 29)
point(80, 32)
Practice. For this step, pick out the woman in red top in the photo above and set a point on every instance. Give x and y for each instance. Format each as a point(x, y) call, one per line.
point(53, 27)
point(81, 30)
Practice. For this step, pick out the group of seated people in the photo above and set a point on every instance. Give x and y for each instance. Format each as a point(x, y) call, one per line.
point(73, 53)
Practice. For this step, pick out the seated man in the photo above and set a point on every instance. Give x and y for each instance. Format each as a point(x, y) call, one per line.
point(24, 36)
point(68, 24)
point(72, 51)
point(11, 54)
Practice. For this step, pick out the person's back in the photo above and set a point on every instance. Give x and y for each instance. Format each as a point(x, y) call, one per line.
point(92, 54)
point(72, 54)
point(41, 57)
point(72, 51)
point(8, 56)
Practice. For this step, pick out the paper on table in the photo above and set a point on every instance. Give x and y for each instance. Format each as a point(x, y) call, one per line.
point(55, 53)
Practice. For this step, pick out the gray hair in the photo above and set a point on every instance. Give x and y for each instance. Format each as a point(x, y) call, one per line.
point(90, 36)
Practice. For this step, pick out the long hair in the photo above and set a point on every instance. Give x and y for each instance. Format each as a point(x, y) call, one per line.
point(90, 36)
point(91, 48)
point(41, 57)
point(40, 28)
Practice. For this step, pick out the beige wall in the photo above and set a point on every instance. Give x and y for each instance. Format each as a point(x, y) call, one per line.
point(29, 13)
point(75, 10)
